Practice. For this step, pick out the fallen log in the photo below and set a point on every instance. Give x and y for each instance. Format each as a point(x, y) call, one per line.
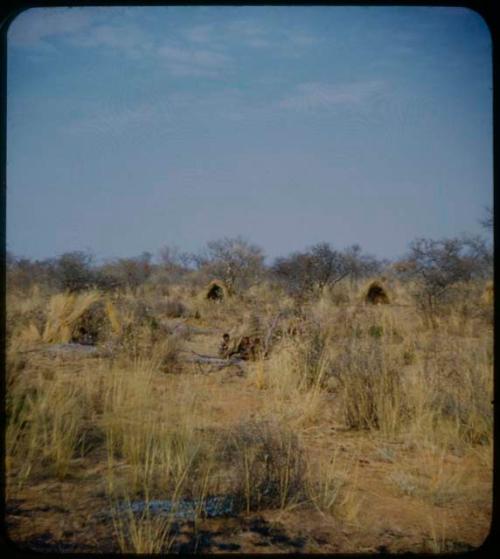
point(216, 362)
point(70, 349)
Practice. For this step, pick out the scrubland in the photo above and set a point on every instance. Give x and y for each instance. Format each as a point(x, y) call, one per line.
point(361, 428)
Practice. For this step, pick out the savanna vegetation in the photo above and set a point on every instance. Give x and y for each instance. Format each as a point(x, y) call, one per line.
point(347, 409)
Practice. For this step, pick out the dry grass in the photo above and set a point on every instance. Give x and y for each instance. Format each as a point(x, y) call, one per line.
point(43, 431)
point(64, 312)
point(157, 440)
point(326, 485)
point(159, 429)
point(434, 479)
point(143, 533)
point(437, 536)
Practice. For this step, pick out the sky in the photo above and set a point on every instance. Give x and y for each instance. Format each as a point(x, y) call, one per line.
point(129, 129)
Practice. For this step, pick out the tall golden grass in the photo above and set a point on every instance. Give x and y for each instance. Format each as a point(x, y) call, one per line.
point(64, 312)
point(383, 370)
point(44, 427)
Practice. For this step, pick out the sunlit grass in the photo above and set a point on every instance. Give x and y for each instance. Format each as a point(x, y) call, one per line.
point(379, 371)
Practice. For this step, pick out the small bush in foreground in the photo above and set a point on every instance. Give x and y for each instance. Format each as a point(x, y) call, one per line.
point(270, 466)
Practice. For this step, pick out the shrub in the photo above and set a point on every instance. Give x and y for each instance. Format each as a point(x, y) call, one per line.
point(72, 271)
point(339, 295)
point(303, 273)
point(270, 466)
point(460, 389)
point(313, 355)
point(125, 272)
point(23, 274)
point(376, 331)
point(437, 266)
point(174, 309)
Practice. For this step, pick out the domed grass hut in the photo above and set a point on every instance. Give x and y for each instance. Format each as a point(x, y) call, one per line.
point(75, 318)
point(376, 294)
point(216, 291)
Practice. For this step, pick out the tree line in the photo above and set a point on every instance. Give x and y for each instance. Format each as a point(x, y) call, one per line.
point(436, 265)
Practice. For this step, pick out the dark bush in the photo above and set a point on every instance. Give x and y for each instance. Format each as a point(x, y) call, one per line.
point(23, 274)
point(270, 466)
point(438, 266)
point(72, 271)
point(302, 273)
point(173, 309)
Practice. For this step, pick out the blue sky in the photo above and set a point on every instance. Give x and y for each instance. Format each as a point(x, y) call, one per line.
point(132, 128)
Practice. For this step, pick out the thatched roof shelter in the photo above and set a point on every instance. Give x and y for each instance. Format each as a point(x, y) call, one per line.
point(216, 290)
point(376, 293)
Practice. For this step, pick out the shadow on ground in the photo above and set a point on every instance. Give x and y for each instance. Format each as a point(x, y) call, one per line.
point(265, 537)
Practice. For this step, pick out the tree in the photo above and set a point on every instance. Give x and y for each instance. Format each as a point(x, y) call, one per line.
point(72, 271)
point(108, 277)
point(124, 272)
point(233, 260)
point(22, 273)
point(437, 265)
point(295, 272)
point(321, 265)
point(133, 272)
point(361, 265)
point(328, 266)
point(173, 262)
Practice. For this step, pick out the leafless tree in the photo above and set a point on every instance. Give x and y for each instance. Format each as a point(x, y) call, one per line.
point(361, 265)
point(125, 272)
point(321, 265)
point(73, 271)
point(172, 258)
point(437, 265)
point(23, 273)
point(234, 260)
point(174, 264)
